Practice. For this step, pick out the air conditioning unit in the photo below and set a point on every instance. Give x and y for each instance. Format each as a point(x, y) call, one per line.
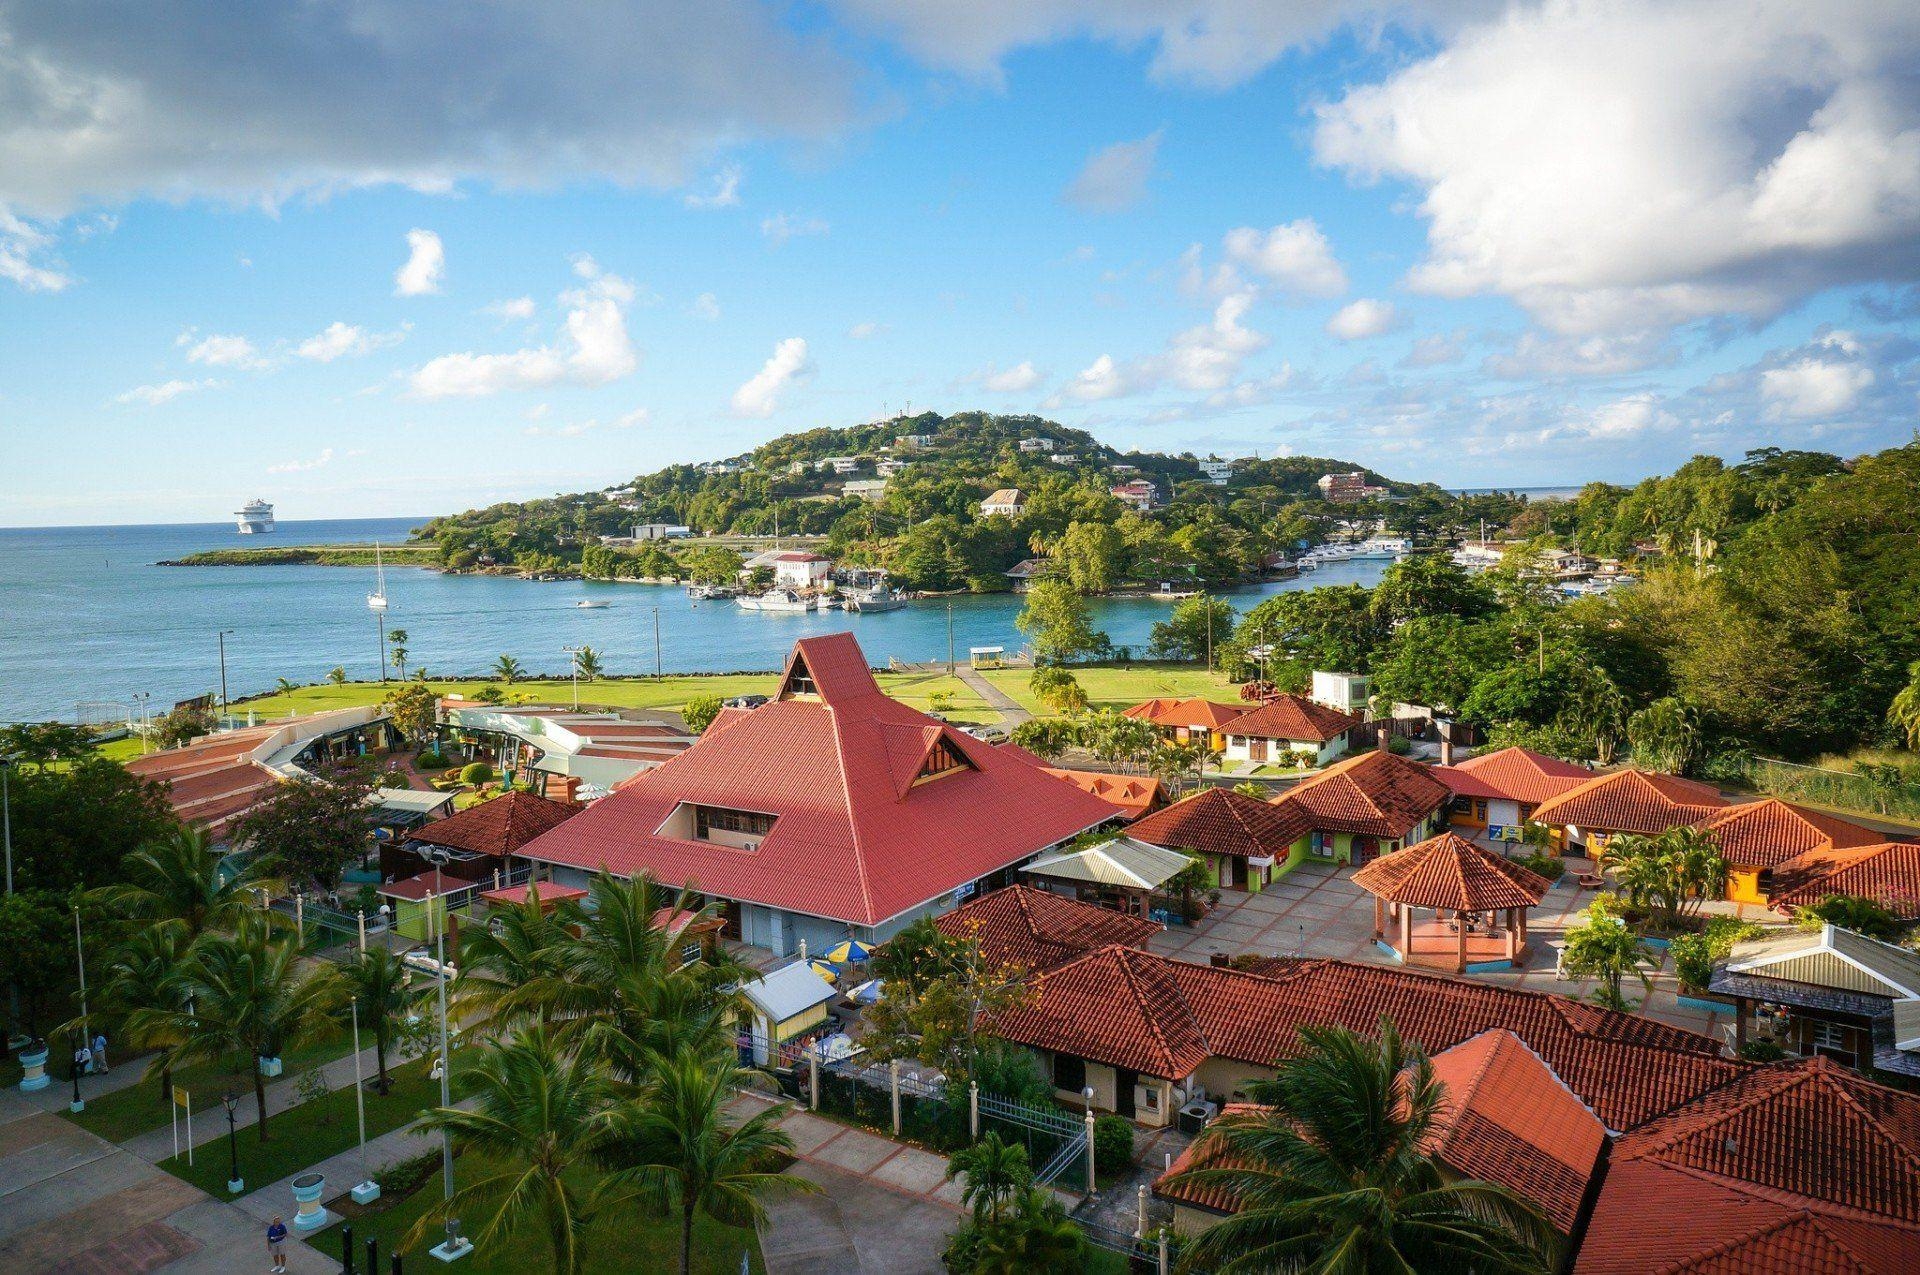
point(750, 845)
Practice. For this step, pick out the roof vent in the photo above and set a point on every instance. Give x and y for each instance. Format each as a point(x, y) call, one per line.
point(1731, 1146)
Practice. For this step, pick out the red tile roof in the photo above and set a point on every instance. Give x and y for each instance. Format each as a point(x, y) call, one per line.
point(1888, 873)
point(1150, 710)
point(1466, 784)
point(1520, 774)
point(1635, 801)
point(1163, 1017)
point(1510, 1120)
point(1294, 717)
point(1222, 821)
point(1372, 794)
point(1743, 1170)
point(1207, 1153)
point(1130, 795)
point(544, 891)
point(1448, 871)
point(1032, 928)
point(855, 838)
point(1768, 832)
point(499, 827)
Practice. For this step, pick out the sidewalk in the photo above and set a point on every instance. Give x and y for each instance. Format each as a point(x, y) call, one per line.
point(346, 1170)
point(210, 1125)
point(125, 1074)
point(1011, 714)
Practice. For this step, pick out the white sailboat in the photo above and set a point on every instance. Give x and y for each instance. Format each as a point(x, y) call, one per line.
point(377, 603)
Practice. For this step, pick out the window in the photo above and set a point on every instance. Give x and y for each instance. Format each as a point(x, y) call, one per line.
point(1153, 1096)
point(710, 819)
point(942, 759)
point(690, 953)
point(1822, 1035)
point(1069, 1073)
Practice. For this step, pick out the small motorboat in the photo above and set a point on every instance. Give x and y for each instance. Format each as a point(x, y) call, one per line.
point(587, 604)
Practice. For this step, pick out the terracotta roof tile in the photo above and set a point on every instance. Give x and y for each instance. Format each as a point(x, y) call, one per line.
point(1451, 872)
point(1372, 794)
point(1032, 928)
point(1130, 795)
point(1294, 717)
point(1520, 774)
point(1636, 801)
point(1769, 832)
point(1222, 821)
point(499, 827)
point(1888, 873)
point(1206, 1153)
point(849, 841)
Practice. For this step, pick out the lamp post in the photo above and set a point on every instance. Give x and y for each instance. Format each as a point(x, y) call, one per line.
point(456, 1246)
point(223, 635)
point(141, 698)
point(79, 1104)
point(235, 1184)
point(573, 667)
point(80, 963)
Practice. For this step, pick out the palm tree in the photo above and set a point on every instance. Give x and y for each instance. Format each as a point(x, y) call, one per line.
point(1036, 1236)
point(996, 1171)
point(588, 661)
point(285, 686)
point(1603, 947)
point(377, 981)
point(1675, 871)
point(1904, 713)
point(250, 997)
point(507, 669)
point(178, 880)
point(397, 650)
point(147, 973)
point(539, 1110)
point(508, 966)
point(678, 1149)
point(1334, 1175)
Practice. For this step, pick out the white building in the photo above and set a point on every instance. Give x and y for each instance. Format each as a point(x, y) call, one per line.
point(1064, 458)
point(1348, 692)
point(1036, 444)
point(1140, 494)
point(838, 464)
point(913, 440)
point(797, 569)
point(1005, 503)
point(865, 489)
point(1217, 471)
point(889, 467)
point(660, 531)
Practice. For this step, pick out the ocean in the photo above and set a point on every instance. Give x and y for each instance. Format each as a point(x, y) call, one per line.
point(87, 621)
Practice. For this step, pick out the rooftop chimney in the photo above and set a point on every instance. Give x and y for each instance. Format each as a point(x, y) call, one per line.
point(1219, 961)
point(1383, 734)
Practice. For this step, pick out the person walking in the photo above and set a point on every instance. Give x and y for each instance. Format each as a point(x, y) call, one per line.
point(277, 1244)
point(100, 1052)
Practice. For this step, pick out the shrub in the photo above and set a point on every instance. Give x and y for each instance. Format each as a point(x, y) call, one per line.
point(391, 779)
point(476, 773)
point(1549, 866)
point(490, 694)
point(431, 759)
point(397, 1181)
point(1852, 912)
point(700, 712)
point(1112, 1145)
point(1762, 1051)
point(1399, 745)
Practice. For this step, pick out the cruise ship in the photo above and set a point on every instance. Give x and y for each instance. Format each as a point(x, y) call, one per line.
point(256, 518)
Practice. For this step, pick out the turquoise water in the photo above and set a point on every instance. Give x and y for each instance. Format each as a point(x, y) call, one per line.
point(86, 618)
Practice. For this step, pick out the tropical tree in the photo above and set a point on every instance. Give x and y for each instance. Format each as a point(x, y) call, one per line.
point(247, 997)
point(1904, 713)
point(994, 1172)
point(1674, 872)
point(506, 966)
point(1174, 764)
point(507, 669)
point(700, 711)
point(587, 660)
point(1853, 912)
point(1046, 737)
point(177, 881)
point(285, 685)
point(1604, 947)
point(36, 950)
point(147, 973)
point(538, 1111)
point(310, 829)
point(1335, 1174)
point(337, 675)
point(678, 1148)
point(413, 709)
point(1059, 623)
point(397, 650)
point(1665, 735)
point(1035, 1235)
point(378, 983)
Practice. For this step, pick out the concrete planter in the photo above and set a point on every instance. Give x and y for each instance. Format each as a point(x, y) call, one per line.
point(365, 1193)
point(307, 1190)
point(33, 1065)
point(271, 1067)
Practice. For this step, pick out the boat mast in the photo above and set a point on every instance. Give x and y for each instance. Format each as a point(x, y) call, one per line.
point(377, 603)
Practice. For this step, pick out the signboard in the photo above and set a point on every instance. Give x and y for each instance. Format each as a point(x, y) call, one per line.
point(964, 893)
point(1504, 832)
point(199, 703)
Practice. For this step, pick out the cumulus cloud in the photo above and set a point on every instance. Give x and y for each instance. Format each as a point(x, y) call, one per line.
point(1358, 320)
point(426, 263)
point(511, 310)
point(221, 351)
point(705, 306)
point(788, 366)
point(861, 331)
point(1537, 355)
point(784, 226)
point(110, 104)
point(1207, 356)
point(595, 349)
point(301, 466)
point(164, 392)
point(1638, 164)
point(1437, 349)
point(1624, 418)
point(1114, 178)
point(725, 192)
point(24, 249)
point(1013, 380)
point(340, 340)
point(1294, 257)
point(1824, 383)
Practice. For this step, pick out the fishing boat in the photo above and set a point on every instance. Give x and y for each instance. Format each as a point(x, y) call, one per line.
point(782, 600)
point(873, 601)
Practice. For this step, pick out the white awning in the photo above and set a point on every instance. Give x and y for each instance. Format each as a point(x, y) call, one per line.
point(1122, 861)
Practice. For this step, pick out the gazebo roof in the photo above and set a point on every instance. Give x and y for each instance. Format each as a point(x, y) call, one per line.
point(1448, 871)
point(1122, 861)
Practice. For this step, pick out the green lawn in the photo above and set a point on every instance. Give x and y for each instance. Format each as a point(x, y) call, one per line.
point(1121, 686)
point(125, 1113)
point(310, 1132)
point(624, 1240)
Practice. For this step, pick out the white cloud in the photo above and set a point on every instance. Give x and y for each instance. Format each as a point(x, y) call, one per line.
point(1100, 379)
point(706, 306)
point(1637, 164)
point(1295, 257)
point(1207, 356)
point(22, 249)
point(638, 416)
point(1114, 178)
point(1627, 417)
point(784, 226)
point(115, 104)
point(511, 310)
point(1536, 355)
point(1437, 349)
point(1013, 380)
point(426, 263)
point(302, 466)
point(1815, 386)
point(221, 351)
point(861, 331)
point(596, 350)
point(1360, 319)
point(725, 192)
point(345, 340)
point(788, 366)
point(165, 391)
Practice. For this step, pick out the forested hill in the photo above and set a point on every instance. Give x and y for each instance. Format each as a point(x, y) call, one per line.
point(926, 527)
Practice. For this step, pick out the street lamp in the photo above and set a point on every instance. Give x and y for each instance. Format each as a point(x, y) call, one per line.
point(223, 635)
point(79, 1104)
point(573, 654)
point(235, 1185)
point(6, 835)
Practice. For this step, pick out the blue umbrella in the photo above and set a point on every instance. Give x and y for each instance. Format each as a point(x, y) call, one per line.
point(850, 952)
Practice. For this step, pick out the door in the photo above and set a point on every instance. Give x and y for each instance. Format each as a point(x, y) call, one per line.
point(1123, 1083)
point(1257, 749)
point(730, 919)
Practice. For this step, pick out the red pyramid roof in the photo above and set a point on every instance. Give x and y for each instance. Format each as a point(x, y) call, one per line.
point(1888, 873)
point(1222, 821)
point(1768, 832)
point(1373, 794)
point(499, 827)
point(1021, 925)
point(1448, 871)
point(1295, 717)
point(1635, 801)
point(1520, 774)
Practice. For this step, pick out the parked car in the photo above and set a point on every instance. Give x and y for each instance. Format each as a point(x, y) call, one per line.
point(745, 701)
point(987, 734)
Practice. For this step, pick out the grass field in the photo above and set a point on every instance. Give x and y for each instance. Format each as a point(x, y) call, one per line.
point(309, 1133)
point(625, 1239)
point(1122, 685)
point(127, 1112)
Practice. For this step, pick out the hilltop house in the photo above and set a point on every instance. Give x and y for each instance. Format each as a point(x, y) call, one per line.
point(864, 489)
point(831, 812)
point(1288, 728)
point(1005, 503)
point(1139, 494)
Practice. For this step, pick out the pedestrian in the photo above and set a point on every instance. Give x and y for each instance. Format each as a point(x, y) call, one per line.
point(82, 1060)
point(277, 1244)
point(100, 1052)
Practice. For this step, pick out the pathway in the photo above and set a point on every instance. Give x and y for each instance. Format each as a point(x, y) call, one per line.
point(210, 1124)
point(1011, 714)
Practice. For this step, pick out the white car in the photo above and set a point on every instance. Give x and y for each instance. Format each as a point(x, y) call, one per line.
point(987, 734)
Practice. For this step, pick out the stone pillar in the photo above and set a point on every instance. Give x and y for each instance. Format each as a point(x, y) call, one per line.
point(1460, 957)
point(973, 1110)
point(813, 1076)
point(1513, 934)
point(1406, 932)
point(893, 1070)
point(1090, 1118)
point(1379, 918)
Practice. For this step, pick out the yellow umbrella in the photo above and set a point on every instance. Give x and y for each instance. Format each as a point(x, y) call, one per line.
point(825, 971)
point(849, 952)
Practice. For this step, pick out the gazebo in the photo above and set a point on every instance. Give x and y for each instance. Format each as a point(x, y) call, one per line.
point(1488, 897)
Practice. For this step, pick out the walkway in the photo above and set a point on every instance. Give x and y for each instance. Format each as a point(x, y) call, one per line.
point(1011, 714)
point(156, 1145)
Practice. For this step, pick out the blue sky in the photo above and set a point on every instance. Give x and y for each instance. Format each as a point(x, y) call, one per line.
point(378, 265)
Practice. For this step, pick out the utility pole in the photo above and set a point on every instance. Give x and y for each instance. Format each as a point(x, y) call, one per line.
point(224, 634)
point(6, 835)
point(949, 639)
point(1207, 602)
point(573, 666)
point(656, 644)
